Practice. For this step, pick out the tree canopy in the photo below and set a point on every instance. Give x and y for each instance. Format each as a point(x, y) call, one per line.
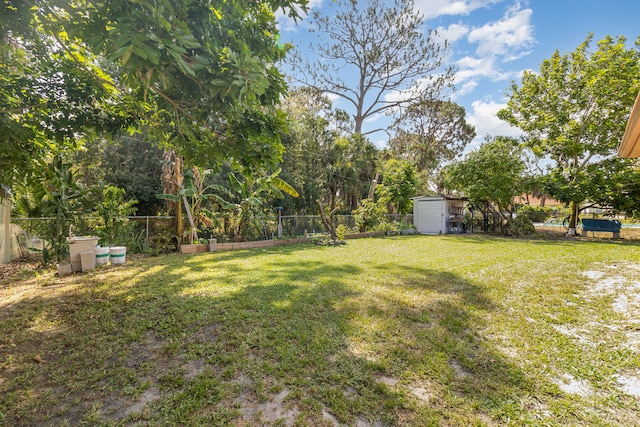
point(431, 132)
point(574, 112)
point(492, 173)
point(200, 76)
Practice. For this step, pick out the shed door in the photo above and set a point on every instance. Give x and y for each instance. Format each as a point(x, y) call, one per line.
point(430, 217)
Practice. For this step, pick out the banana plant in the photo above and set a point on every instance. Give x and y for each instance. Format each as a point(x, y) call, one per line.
point(252, 193)
point(192, 197)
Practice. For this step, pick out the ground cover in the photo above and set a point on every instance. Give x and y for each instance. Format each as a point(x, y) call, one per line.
point(405, 330)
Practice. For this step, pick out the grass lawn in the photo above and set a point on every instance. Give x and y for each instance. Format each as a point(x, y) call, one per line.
point(406, 330)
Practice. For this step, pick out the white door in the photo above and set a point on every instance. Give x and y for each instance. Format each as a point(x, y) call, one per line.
point(430, 217)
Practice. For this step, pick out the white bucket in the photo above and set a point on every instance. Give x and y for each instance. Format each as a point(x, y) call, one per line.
point(102, 255)
point(117, 254)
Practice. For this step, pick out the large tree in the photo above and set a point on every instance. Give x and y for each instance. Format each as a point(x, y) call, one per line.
point(203, 73)
point(431, 132)
point(47, 102)
point(493, 173)
point(574, 112)
point(313, 127)
point(377, 56)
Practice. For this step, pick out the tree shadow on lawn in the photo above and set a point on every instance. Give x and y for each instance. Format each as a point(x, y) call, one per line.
point(310, 342)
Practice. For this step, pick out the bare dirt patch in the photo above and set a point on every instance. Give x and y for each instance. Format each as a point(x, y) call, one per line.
point(621, 285)
point(15, 268)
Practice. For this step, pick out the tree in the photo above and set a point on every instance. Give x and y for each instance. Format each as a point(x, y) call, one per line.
point(131, 163)
point(209, 67)
point(345, 161)
point(48, 103)
point(57, 194)
point(431, 132)
point(398, 186)
point(252, 191)
point(202, 73)
point(313, 127)
point(492, 173)
point(574, 112)
point(384, 46)
point(320, 157)
point(200, 76)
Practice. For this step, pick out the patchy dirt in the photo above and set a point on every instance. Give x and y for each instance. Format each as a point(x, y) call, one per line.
point(15, 268)
point(571, 385)
point(621, 284)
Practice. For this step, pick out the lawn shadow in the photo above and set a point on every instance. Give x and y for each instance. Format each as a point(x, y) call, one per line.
point(246, 338)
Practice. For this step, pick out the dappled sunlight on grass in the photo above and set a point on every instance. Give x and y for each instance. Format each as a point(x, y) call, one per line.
point(409, 330)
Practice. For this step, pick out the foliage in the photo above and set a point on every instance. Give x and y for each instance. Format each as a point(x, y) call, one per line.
point(382, 44)
point(200, 77)
point(348, 163)
point(192, 195)
point(206, 69)
point(493, 172)
point(519, 226)
point(370, 214)
point(132, 163)
point(52, 93)
point(113, 210)
point(574, 112)
point(341, 232)
point(616, 184)
point(431, 132)
point(251, 193)
point(535, 213)
point(57, 196)
point(398, 186)
point(313, 127)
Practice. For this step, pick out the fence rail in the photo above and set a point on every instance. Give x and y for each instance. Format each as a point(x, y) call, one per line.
point(158, 230)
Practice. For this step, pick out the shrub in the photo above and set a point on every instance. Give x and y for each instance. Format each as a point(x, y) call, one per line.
point(341, 231)
point(369, 215)
point(519, 226)
point(535, 213)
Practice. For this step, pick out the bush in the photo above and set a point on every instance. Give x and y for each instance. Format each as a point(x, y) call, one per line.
point(519, 226)
point(370, 215)
point(535, 213)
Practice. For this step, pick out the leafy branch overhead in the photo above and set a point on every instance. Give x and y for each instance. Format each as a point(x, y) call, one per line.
point(201, 77)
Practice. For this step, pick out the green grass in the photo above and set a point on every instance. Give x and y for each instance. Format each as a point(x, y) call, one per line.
point(408, 330)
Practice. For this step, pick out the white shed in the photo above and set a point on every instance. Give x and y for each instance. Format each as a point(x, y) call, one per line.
point(438, 214)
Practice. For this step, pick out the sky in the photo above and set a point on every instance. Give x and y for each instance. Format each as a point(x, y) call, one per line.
point(494, 41)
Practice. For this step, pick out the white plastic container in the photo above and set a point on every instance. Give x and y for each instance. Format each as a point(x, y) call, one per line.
point(102, 255)
point(117, 254)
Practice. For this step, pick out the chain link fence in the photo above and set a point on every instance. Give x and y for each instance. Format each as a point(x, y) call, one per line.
point(159, 232)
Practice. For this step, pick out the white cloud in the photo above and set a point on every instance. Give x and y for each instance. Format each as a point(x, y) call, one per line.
point(496, 43)
point(465, 89)
point(452, 33)
point(434, 8)
point(374, 118)
point(500, 38)
point(485, 119)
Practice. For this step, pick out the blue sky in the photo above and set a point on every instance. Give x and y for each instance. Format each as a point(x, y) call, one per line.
point(494, 41)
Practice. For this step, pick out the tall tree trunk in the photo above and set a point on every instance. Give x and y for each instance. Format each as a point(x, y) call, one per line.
point(171, 183)
point(573, 216)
